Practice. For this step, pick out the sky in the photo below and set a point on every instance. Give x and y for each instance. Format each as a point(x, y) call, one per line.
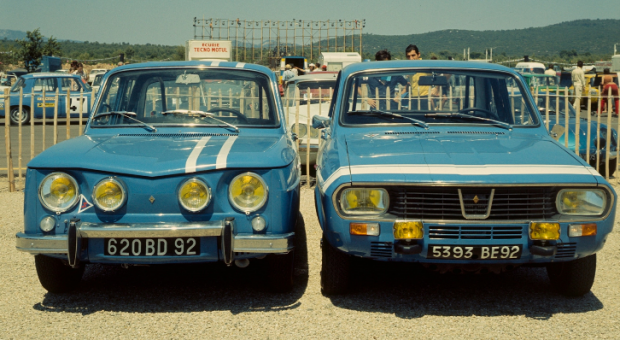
point(171, 22)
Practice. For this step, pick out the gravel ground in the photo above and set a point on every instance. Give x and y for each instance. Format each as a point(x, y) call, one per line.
point(212, 301)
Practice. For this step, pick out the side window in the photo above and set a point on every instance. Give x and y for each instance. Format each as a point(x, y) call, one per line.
point(70, 84)
point(49, 84)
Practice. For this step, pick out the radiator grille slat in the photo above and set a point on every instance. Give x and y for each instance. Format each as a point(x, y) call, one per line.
point(381, 249)
point(476, 232)
point(519, 203)
point(566, 250)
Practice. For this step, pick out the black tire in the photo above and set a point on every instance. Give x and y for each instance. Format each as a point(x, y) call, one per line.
point(280, 268)
point(55, 276)
point(601, 167)
point(573, 278)
point(335, 270)
point(15, 115)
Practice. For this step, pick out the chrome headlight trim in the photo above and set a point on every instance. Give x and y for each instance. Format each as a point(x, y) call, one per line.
point(386, 195)
point(123, 192)
point(242, 209)
point(605, 205)
point(194, 180)
point(75, 199)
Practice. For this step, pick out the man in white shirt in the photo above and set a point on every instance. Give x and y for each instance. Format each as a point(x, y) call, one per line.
point(550, 71)
point(579, 81)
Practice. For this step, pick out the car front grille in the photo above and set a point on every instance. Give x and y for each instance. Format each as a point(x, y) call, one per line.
point(436, 232)
point(443, 203)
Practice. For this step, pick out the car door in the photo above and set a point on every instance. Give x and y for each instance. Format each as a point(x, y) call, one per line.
point(43, 104)
point(74, 86)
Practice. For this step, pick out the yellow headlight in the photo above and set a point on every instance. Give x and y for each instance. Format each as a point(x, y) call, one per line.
point(194, 195)
point(408, 230)
point(364, 201)
point(544, 231)
point(58, 192)
point(248, 192)
point(109, 195)
point(581, 202)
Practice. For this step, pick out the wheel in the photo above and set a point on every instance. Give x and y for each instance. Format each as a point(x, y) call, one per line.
point(573, 278)
point(602, 168)
point(240, 116)
point(335, 269)
point(15, 116)
point(280, 268)
point(55, 276)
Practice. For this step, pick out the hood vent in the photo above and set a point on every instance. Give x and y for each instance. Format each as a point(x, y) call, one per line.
point(177, 135)
point(475, 133)
point(413, 133)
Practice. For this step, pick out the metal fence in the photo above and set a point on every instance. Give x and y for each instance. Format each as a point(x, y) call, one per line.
point(300, 106)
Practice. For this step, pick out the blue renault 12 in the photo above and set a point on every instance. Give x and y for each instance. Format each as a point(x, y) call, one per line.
point(180, 162)
point(436, 162)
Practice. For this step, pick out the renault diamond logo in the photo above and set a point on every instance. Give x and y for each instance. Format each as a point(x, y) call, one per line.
point(152, 199)
point(476, 199)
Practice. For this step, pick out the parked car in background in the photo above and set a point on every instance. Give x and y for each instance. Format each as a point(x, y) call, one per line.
point(314, 93)
point(52, 81)
point(472, 185)
point(97, 82)
point(161, 176)
point(530, 67)
point(94, 72)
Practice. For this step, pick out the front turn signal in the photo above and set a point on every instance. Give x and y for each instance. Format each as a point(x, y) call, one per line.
point(366, 229)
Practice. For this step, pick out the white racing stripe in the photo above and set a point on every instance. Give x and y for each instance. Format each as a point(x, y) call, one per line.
point(190, 164)
point(215, 63)
point(240, 65)
point(220, 163)
point(462, 170)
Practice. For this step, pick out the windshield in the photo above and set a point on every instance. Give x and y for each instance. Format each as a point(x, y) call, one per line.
point(97, 80)
point(544, 81)
point(168, 97)
point(431, 96)
point(555, 105)
point(21, 83)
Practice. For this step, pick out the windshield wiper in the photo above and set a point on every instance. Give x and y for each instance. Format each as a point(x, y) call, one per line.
point(388, 114)
point(201, 113)
point(464, 116)
point(128, 114)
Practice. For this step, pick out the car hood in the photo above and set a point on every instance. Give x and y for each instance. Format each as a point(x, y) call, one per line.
point(156, 155)
point(457, 157)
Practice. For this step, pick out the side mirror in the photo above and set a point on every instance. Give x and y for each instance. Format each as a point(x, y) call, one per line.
point(320, 122)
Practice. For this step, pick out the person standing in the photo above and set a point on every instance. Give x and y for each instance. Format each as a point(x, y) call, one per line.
point(379, 88)
point(579, 81)
point(609, 85)
point(550, 71)
point(413, 53)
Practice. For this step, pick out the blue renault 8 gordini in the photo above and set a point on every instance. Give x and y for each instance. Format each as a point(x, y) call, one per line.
point(434, 162)
point(180, 162)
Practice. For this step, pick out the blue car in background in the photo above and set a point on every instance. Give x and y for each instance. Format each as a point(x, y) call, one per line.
point(164, 175)
point(465, 183)
point(50, 82)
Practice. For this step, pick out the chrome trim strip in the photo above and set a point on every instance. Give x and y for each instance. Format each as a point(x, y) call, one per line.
point(190, 164)
point(562, 219)
point(474, 216)
point(146, 230)
point(254, 243)
point(41, 244)
point(220, 163)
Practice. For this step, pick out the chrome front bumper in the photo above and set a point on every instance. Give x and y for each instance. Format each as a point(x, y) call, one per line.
point(246, 243)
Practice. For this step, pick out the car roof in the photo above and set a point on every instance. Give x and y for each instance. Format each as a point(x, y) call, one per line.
point(50, 74)
point(471, 65)
point(315, 76)
point(195, 63)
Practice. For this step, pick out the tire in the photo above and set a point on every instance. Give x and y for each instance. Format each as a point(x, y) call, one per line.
point(573, 278)
point(335, 270)
point(55, 276)
point(280, 268)
point(601, 167)
point(15, 115)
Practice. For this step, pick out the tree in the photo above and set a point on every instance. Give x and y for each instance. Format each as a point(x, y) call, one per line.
point(52, 47)
point(31, 49)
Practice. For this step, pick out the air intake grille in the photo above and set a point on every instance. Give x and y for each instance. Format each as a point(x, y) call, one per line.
point(566, 250)
point(520, 203)
point(476, 232)
point(176, 135)
point(412, 133)
point(475, 133)
point(381, 249)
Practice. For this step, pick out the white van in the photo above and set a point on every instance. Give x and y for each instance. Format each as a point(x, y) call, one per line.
point(530, 67)
point(336, 61)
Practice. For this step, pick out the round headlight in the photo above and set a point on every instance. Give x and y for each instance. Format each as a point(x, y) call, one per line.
point(194, 195)
point(248, 192)
point(109, 194)
point(303, 130)
point(58, 192)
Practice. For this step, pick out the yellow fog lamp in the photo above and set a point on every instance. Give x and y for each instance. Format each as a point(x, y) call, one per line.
point(194, 195)
point(408, 230)
point(364, 201)
point(248, 192)
point(109, 194)
point(544, 231)
point(364, 229)
point(58, 192)
point(579, 230)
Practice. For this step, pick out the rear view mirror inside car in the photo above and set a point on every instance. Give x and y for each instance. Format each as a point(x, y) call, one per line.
point(433, 80)
point(188, 79)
